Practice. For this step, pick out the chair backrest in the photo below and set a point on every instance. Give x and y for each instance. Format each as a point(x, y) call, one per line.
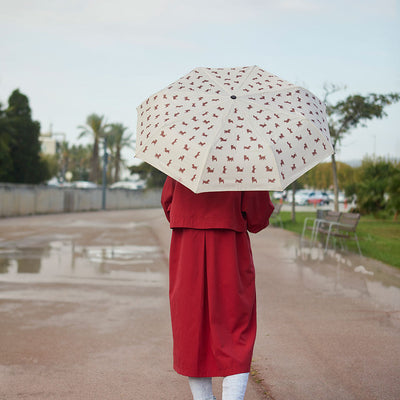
point(321, 213)
point(350, 220)
point(277, 209)
point(333, 216)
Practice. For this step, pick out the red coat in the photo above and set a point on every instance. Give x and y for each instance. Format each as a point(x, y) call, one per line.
point(239, 211)
point(212, 286)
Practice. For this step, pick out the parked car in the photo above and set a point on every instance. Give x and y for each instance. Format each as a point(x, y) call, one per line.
point(319, 198)
point(341, 197)
point(132, 185)
point(84, 185)
point(301, 197)
point(279, 195)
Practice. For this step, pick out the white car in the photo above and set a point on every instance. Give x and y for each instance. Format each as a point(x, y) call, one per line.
point(301, 197)
point(341, 197)
point(132, 185)
point(84, 185)
point(278, 195)
point(318, 198)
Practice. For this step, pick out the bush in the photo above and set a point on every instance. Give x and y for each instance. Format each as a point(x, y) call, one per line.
point(373, 185)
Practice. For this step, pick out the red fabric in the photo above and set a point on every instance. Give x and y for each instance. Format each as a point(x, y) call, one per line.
point(212, 278)
point(239, 211)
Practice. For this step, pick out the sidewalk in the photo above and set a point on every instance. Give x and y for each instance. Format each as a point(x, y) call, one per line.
point(84, 315)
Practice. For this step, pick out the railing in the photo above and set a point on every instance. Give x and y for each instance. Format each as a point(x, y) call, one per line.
point(17, 200)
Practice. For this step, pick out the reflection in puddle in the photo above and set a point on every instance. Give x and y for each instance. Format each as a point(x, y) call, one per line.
point(349, 275)
point(64, 259)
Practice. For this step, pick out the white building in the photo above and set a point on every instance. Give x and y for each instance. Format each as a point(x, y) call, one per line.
point(49, 141)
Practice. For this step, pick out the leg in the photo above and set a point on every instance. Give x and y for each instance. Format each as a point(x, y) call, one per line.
point(234, 386)
point(201, 388)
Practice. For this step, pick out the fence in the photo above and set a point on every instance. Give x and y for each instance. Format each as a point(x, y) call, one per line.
point(17, 200)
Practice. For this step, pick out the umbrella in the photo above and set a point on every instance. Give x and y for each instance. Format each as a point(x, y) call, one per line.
point(228, 129)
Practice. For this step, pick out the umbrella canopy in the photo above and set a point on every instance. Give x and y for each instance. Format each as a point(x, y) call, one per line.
point(228, 129)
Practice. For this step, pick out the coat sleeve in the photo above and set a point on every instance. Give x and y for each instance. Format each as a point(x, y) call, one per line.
point(257, 207)
point(166, 196)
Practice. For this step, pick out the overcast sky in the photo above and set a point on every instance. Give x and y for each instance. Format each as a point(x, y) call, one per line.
point(73, 58)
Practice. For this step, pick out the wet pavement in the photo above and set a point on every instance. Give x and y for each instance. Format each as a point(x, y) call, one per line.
point(84, 314)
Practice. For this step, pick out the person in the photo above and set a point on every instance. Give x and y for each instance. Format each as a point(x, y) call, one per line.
point(212, 284)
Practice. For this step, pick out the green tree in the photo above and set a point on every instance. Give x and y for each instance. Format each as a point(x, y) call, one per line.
point(348, 114)
point(95, 129)
point(24, 146)
point(152, 176)
point(320, 177)
point(52, 164)
point(117, 141)
point(6, 163)
point(393, 190)
point(79, 161)
point(63, 156)
point(373, 185)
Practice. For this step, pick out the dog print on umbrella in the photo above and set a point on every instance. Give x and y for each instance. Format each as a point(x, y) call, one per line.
point(233, 129)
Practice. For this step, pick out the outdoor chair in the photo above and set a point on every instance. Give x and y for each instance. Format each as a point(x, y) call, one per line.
point(321, 222)
point(344, 229)
point(276, 214)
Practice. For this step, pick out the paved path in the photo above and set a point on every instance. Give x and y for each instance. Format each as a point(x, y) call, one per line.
point(84, 315)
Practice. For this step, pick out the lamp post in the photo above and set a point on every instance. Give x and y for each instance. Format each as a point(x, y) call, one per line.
point(105, 161)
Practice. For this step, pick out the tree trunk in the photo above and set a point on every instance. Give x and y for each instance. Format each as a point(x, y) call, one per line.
point(293, 202)
point(335, 183)
point(95, 172)
point(117, 164)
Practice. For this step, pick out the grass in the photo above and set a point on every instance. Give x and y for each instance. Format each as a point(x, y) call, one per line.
point(379, 238)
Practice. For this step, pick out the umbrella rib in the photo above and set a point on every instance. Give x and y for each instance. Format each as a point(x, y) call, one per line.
point(212, 145)
point(247, 77)
point(214, 80)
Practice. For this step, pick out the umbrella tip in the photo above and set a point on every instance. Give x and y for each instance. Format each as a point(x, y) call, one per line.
point(233, 97)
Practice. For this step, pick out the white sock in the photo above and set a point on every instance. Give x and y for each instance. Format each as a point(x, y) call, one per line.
point(201, 388)
point(234, 386)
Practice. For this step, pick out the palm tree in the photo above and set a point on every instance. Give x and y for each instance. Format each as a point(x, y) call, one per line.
point(117, 142)
point(63, 155)
point(95, 127)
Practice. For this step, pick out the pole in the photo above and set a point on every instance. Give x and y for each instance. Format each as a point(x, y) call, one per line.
point(105, 160)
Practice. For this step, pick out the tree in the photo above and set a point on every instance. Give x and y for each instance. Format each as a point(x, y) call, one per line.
point(6, 163)
point(152, 176)
point(79, 161)
point(117, 141)
point(373, 184)
point(320, 177)
point(350, 113)
point(94, 128)
point(24, 146)
point(394, 191)
point(63, 155)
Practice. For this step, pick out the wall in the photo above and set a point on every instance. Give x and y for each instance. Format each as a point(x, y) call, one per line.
point(18, 200)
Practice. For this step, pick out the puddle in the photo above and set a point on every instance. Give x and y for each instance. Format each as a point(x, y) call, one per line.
point(62, 260)
point(347, 274)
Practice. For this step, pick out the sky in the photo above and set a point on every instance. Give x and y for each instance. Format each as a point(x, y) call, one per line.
point(74, 58)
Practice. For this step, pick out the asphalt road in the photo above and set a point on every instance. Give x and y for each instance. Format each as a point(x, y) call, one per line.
point(84, 314)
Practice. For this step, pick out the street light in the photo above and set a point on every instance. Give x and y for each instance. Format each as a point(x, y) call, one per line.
point(105, 161)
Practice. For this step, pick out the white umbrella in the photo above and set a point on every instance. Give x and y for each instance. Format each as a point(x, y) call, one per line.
point(228, 129)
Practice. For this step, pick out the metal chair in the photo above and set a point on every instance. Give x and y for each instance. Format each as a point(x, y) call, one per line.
point(345, 229)
point(322, 221)
point(275, 214)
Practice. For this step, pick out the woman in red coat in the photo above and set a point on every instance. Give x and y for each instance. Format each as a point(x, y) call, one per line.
point(212, 284)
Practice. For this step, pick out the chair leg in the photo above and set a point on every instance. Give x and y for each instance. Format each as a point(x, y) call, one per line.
point(304, 229)
point(315, 226)
point(327, 241)
point(358, 244)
